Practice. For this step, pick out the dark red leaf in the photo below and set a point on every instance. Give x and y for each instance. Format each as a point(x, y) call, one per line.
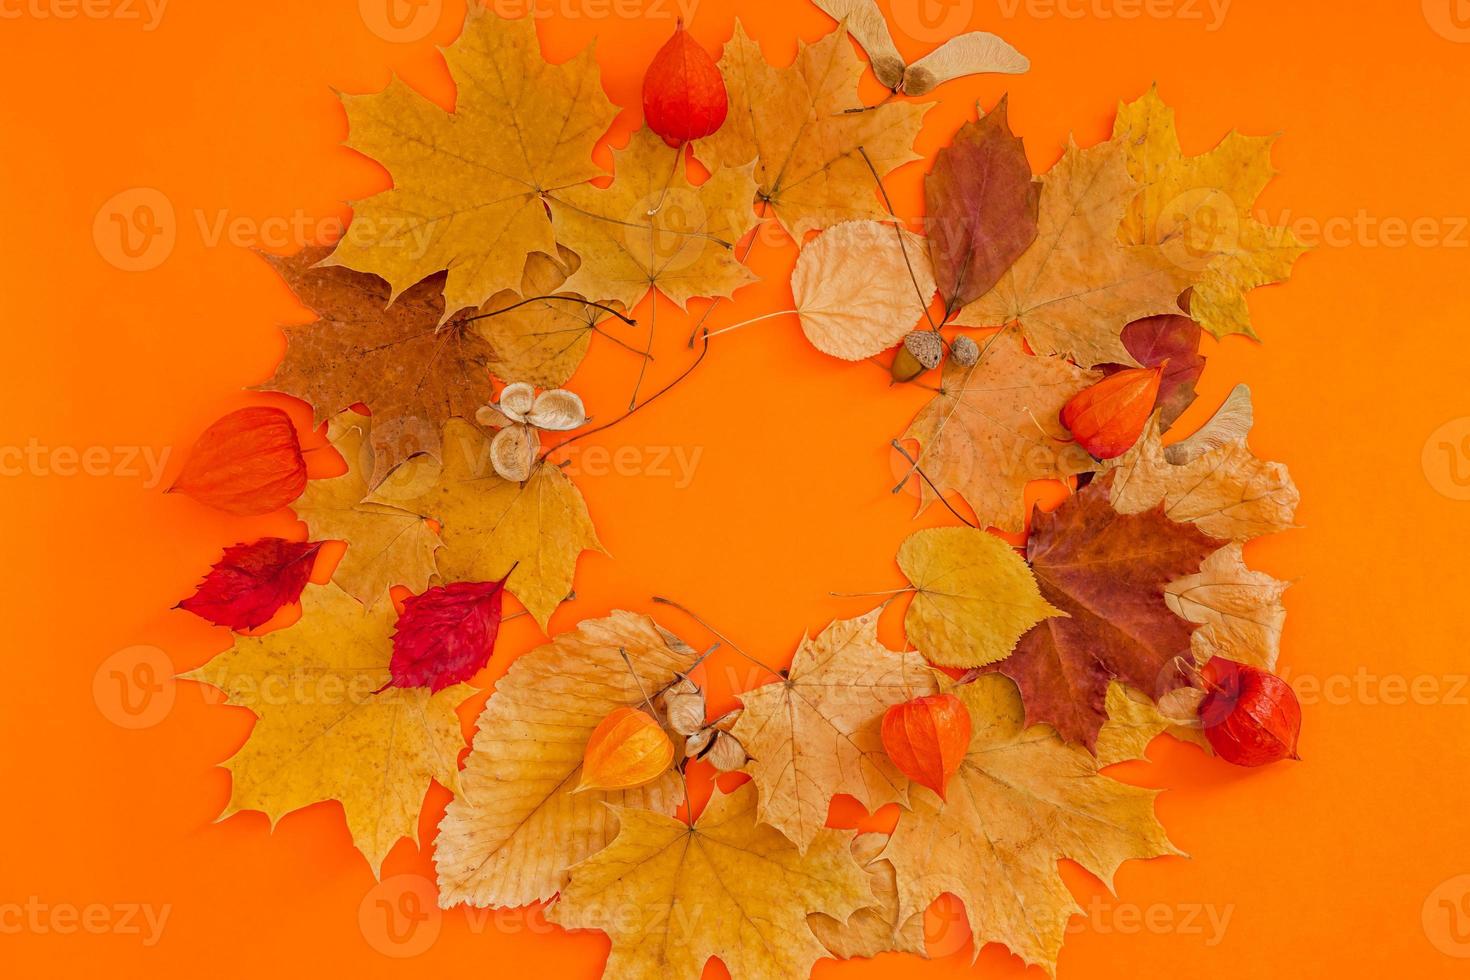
point(982, 205)
point(1107, 571)
point(1175, 339)
point(247, 463)
point(446, 634)
point(252, 582)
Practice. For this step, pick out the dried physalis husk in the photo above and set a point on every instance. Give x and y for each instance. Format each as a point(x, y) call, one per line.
point(683, 707)
point(627, 749)
point(513, 452)
point(557, 411)
point(517, 400)
point(726, 753)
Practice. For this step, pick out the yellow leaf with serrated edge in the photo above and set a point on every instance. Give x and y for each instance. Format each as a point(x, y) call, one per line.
point(323, 734)
point(491, 527)
point(1022, 801)
point(974, 597)
point(875, 930)
point(1199, 211)
point(469, 185)
point(1134, 721)
point(518, 823)
point(651, 228)
point(817, 732)
point(670, 896)
point(386, 546)
point(1077, 286)
point(995, 426)
point(791, 122)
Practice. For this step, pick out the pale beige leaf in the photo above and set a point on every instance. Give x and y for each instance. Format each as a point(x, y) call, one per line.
point(818, 732)
point(1232, 423)
point(854, 290)
point(1241, 609)
point(671, 896)
point(325, 730)
point(995, 426)
point(873, 930)
point(1022, 801)
point(516, 824)
point(386, 545)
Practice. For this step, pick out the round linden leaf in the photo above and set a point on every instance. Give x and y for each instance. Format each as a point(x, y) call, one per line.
point(557, 411)
point(517, 400)
point(854, 292)
point(513, 451)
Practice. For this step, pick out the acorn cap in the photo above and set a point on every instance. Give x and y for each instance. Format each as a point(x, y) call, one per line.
point(964, 351)
point(926, 346)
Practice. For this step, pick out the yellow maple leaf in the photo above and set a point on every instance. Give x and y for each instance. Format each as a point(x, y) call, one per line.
point(1198, 210)
point(323, 734)
point(995, 426)
point(1021, 801)
point(493, 527)
point(651, 228)
point(875, 930)
point(791, 122)
point(974, 597)
point(469, 185)
point(518, 823)
point(386, 546)
point(1134, 721)
point(817, 732)
point(670, 896)
point(1076, 288)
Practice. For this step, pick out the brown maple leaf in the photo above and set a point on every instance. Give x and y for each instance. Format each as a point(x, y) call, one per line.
point(1108, 572)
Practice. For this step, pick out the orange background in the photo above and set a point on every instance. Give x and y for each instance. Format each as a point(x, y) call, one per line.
point(1326, 868)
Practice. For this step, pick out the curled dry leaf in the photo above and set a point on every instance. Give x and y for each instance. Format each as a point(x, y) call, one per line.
point(968, 54)
point(311, 739)
point(252, 582)
point(467, 185)
point(683, 707)
point(791, 122)
point(246, 463)
point(1221, 487)
point(1232, 423)
point(1240, 610)
point(1021, 801)
point(853, 289)
point(386, 546)
point(628, 749)
point(705, 907)
point(517, 824)
point(973, 596)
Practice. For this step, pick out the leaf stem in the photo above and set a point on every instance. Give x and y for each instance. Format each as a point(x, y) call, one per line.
point(535, 299)
point(937, 492)
point(756, 319)
point(661, 600)
point(898, 230)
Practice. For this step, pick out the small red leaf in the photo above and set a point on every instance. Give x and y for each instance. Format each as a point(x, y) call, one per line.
point(250, 584)
point(684, 94)
point(446, 635)
point(1251, 716)
point(247, 463)
point(1170, 340)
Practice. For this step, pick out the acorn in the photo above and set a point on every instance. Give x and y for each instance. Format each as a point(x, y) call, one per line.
point(964, 351)
point(922, 351)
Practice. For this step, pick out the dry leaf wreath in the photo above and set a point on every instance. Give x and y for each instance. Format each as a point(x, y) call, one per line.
point(1059, 320)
